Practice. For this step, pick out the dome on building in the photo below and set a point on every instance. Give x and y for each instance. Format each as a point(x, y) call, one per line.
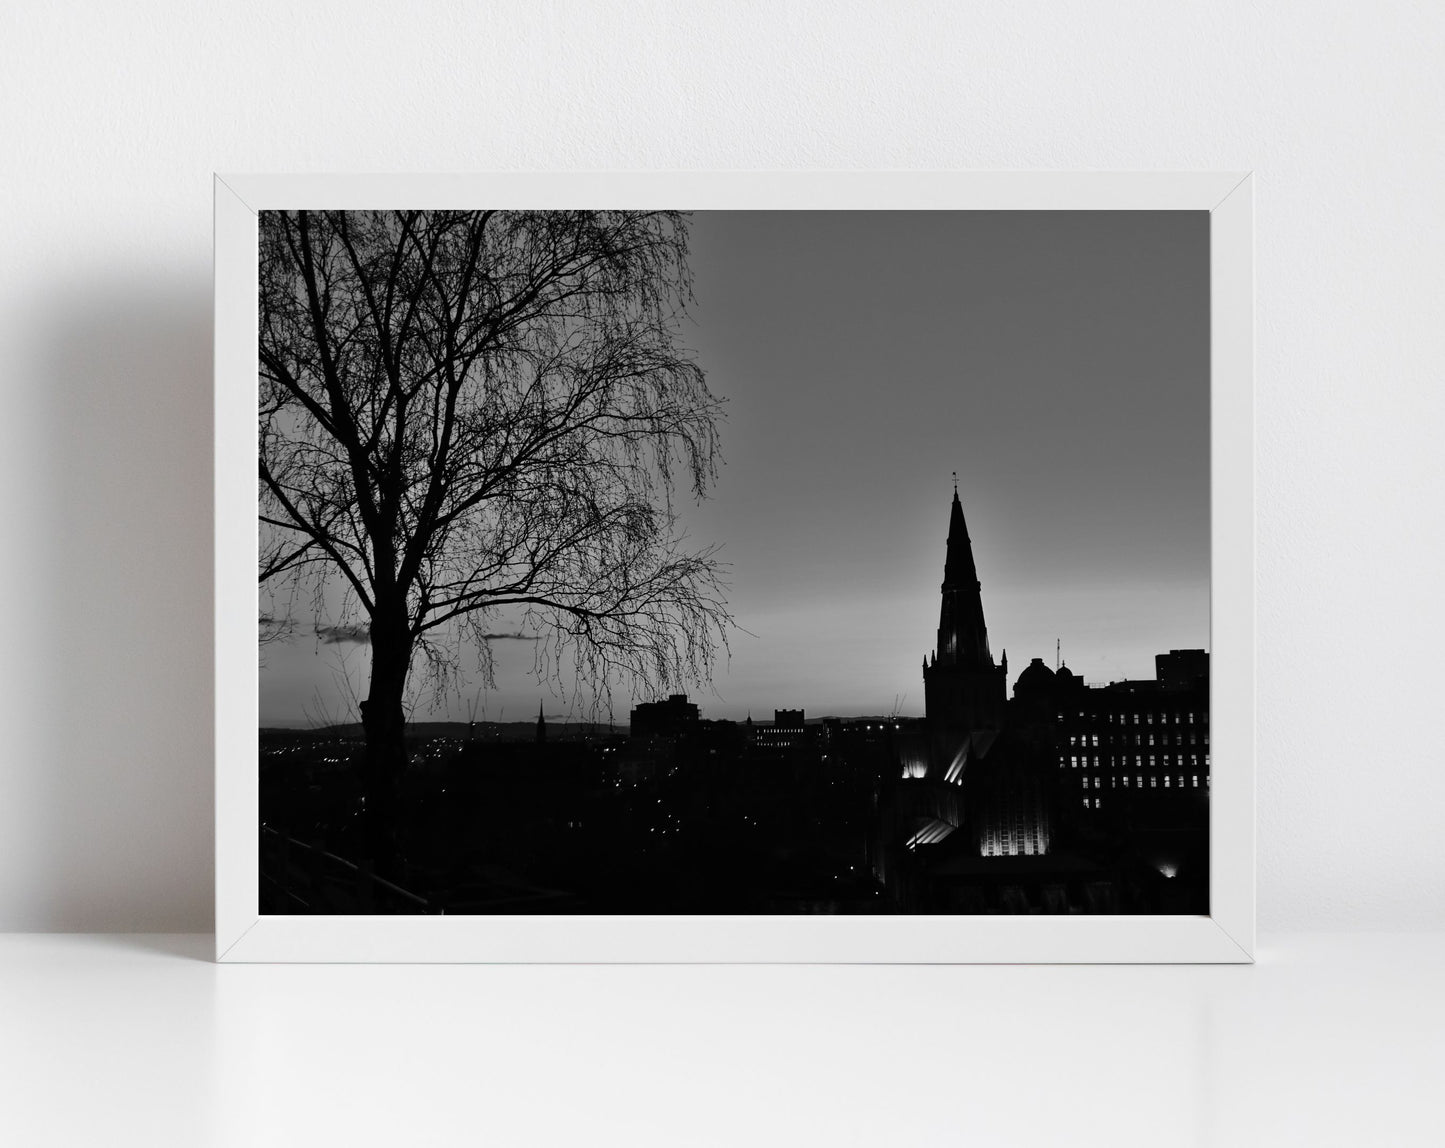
point(1036, 676)
point(1066, 676)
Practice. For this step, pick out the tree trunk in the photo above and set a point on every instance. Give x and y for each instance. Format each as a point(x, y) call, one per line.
point(383, 720)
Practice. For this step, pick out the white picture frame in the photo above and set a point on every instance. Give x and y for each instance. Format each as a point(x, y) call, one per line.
point(1226, 935)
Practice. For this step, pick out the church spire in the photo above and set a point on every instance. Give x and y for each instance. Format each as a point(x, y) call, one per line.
point(958, 568)
point(962, 635)
point(541, 725)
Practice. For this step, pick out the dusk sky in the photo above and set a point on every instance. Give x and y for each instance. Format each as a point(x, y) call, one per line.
point(1058, 361)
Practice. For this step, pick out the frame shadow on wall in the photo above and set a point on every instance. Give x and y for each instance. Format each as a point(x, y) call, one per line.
point(121, 680)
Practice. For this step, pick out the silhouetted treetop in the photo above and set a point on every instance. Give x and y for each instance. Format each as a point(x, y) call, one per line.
point(467, 412)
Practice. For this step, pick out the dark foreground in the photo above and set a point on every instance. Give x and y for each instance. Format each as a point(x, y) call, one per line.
point(601, 824)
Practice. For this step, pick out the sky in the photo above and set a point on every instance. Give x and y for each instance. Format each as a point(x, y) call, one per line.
point(1057, 361)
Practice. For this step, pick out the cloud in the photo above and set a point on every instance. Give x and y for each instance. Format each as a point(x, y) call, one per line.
point(337, 635)
point(274, 629)
point(359, 633)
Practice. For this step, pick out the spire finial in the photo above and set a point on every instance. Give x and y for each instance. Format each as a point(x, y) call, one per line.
point(955, 484)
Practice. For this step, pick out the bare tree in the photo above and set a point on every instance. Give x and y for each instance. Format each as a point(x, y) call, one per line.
point(463, 413)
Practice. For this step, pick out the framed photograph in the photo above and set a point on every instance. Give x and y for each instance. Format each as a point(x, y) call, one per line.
point(734, 567)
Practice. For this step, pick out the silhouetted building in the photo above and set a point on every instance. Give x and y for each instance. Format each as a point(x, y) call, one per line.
point(963, 689)
point(1131, 774)
point(790, 720)
point(1181, 669)
point(1004, 807)
point(963, 692)
point(787, 733)
point(670, 718)
point(541, 725)
point(1135, 743)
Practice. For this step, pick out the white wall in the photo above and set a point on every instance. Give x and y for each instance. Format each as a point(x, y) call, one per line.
point(115, 115)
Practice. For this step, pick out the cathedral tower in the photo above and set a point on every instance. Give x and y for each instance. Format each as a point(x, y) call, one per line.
point(962, 687)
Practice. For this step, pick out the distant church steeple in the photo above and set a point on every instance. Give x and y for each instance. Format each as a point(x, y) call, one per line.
point(541, 725)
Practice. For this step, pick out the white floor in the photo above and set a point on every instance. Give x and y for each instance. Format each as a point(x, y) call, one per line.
point(1330, 1039)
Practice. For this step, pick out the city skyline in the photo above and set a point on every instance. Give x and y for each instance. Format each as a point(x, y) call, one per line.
point(1057, 361)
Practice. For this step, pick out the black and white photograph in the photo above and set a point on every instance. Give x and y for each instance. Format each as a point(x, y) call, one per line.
point(734, 562)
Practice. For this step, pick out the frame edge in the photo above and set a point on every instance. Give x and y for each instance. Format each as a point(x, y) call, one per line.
point(234, 285)
point(242, 934)
point(1232, 852)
